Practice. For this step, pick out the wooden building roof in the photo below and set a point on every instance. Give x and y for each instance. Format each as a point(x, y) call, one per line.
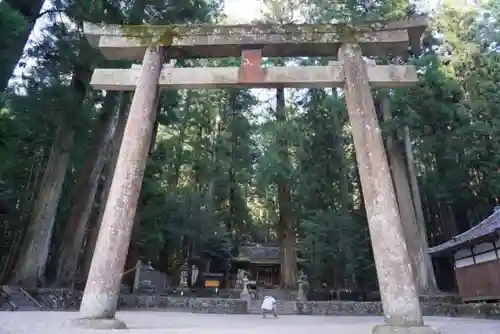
point(486, 230)
point(258, 254)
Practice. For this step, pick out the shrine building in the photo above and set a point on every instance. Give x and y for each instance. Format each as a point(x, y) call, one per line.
point(476, 259)
point(261, 261)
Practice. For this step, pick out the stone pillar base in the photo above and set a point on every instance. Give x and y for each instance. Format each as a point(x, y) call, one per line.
point(98, 323)
point(387, 329)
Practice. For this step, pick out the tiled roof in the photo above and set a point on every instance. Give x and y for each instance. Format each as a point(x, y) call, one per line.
point(484, 229)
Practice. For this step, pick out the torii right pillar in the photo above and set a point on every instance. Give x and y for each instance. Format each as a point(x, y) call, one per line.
point(400, 301)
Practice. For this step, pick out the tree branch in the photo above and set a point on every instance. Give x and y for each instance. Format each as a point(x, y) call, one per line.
point(49, 11)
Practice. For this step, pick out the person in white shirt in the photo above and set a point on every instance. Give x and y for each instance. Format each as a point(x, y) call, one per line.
point(269, 306)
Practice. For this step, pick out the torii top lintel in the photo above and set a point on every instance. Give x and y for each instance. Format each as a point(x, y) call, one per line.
point(221, 41)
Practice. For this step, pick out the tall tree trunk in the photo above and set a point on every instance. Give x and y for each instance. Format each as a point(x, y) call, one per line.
point(343, 167)
point(233, 104)
point(344, 195)
point(430, 285)
point(108, 172)
point(197, 167)
point(216, 129)
point(179, 148)
point(25, 206)
point(286, 220)
point(446, 220)
point(12, 48)
point(133, 249)
point(84, 194)
point(406, 207)
point(30, 266)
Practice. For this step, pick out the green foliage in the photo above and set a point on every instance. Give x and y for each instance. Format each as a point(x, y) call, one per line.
point(211, 179)
point(14, 27)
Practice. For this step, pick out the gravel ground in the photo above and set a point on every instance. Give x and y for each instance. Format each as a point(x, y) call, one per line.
point(151, 322)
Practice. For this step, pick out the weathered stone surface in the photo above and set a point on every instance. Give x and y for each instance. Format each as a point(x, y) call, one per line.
point(339, 308)
point(58, 299)
point(476, 310)
point(96, 30)
point(93, 323)
point(392, 76)
point(394, 271)
point(66, 299)
point(171, 63)
point(194, 305)
point(480, 310)
point(211, 305)
point(385, 329)
point(393, 42)
point(202, 41)
point(450, 298)
point(103, 284)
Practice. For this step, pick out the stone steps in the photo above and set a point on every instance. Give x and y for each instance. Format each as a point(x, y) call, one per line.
point(279, 294)
point(17, 299)
point(286, 307)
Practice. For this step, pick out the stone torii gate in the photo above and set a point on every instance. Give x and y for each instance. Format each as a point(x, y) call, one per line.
point(153, 45)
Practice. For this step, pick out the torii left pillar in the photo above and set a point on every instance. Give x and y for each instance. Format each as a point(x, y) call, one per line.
point(101, 293)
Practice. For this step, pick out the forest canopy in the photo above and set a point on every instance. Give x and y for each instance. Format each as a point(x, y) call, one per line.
point(228, 166)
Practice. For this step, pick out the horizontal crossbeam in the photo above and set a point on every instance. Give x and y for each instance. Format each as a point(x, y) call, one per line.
point(389, 76)
point(373, 44)
point(205, 41)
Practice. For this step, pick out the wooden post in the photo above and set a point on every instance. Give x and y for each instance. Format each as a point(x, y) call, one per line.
point(397, 285)
point(103, 284)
